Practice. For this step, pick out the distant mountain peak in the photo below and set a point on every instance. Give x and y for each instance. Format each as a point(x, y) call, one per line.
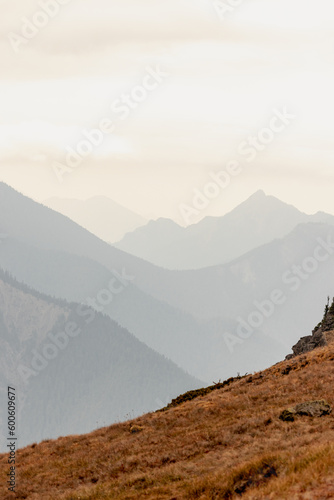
point(260, 198)
point(258, 194)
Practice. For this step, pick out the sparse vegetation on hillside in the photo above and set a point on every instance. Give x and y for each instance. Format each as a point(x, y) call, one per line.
point(188, 396)
point(227, 444)
point(328, 322)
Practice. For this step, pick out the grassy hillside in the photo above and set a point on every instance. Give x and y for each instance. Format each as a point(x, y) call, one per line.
point(229, 443)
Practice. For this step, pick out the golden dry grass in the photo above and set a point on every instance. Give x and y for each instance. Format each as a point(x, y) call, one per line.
point(227, 444)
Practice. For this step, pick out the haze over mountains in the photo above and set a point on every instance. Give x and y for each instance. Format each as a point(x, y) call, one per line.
point(100, 215)
point(239, 316)
point(216, 240)
point(96, 374)
point(40, 251)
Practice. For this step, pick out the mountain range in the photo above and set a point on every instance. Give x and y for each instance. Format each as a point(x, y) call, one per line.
point(216, 240)
point(193, 317)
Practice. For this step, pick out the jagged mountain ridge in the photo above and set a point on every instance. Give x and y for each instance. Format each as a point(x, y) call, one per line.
point(217, 240)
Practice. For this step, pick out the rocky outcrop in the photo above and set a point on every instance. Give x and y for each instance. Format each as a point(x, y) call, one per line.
point(308, 343)
point(320, 335)
point(309, 409)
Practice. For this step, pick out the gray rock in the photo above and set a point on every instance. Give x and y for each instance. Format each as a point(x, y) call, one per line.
point(310, 342)
point(309, 409)
point(319, 337)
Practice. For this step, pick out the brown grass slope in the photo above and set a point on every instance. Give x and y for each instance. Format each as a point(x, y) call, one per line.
point(227, 444)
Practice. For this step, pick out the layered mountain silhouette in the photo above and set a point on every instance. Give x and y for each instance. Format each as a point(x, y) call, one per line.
point(216, 240)
point(75, 369)
point(192, 317)
point(49, 252)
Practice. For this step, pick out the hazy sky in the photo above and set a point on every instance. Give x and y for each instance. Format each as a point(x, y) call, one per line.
point(64, 65)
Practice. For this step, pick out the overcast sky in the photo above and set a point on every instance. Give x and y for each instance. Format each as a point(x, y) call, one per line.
point(227, 74)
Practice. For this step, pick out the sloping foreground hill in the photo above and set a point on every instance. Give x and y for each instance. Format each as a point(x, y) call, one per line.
point(227, 444)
